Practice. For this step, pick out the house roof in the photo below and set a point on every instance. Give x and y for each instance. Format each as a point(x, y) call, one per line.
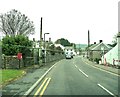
point(98, 46)
point(56, 45)
point(68, 47)
point(91, 47)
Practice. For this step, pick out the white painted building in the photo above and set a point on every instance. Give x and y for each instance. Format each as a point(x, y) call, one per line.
point(59, 45)
point(70, 49)
point(113, 56)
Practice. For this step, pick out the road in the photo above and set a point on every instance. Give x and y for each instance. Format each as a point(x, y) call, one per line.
point(76, 77)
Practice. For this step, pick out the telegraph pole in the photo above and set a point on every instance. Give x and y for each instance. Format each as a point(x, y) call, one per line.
point(88, 44)
point(40, 43)
point(41, 30)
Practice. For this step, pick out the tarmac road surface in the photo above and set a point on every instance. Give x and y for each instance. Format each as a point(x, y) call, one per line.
point(76, 77)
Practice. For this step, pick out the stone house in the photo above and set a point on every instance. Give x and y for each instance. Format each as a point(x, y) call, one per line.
point(97, 50)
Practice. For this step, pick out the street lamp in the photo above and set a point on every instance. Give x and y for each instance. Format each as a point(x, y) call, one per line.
point(45, 47)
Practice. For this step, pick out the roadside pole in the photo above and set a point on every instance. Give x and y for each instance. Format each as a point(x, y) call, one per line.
point(45, 48)
point(40, 43)
point(88, 52)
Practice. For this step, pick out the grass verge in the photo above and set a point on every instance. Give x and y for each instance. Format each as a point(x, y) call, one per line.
point(9, 75)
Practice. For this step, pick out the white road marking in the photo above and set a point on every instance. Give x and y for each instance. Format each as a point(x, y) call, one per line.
point(39, 80)
point(102, 69)
point(106, 90)
point(76, 66)
point(83, 72)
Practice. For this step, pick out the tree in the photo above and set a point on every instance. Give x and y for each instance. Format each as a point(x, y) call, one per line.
point(11, 45)
point(114, 42)
point(114, 39)
point(63, 42)
point(59, 49)
point(14, 23)
point(52, 48)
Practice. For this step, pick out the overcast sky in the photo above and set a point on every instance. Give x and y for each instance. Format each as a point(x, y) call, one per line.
point(70, 19)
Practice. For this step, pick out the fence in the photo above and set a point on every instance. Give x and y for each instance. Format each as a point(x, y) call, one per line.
point(32, 58)
point(12, 62)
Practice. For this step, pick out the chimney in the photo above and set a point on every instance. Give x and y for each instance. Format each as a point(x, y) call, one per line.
point(94, 42)
point(100, 41)
point(34, 39)
point(49, 39)
point(42, 39)
point(88, 38)
point(34, 44)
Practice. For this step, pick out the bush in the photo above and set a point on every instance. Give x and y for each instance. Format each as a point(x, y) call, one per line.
point(12, 45)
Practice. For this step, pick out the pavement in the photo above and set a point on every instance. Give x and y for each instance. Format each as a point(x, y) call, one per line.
point(104, 67)
point(20, 86)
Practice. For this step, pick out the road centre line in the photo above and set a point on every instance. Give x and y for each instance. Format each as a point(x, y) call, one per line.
point(106, 90)
point(44, 88)
point(40, 87)
point(83, 73)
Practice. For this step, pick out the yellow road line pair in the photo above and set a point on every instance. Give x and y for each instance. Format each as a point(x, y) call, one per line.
point(43, 87)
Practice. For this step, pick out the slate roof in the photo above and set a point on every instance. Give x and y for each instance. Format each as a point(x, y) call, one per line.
point(91, 47)
point(98, 46)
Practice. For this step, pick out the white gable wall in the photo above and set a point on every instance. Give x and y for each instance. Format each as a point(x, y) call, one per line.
point(112, 54)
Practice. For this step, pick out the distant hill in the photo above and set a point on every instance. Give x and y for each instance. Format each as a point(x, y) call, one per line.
point(82, 46)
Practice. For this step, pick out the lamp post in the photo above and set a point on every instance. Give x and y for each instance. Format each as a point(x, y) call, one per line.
point(45, 47)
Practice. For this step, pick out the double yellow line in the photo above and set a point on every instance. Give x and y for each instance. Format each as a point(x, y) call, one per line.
point(43, 87)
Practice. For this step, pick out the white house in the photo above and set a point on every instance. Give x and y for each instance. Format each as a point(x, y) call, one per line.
point(59, 45)
point(70, 48)
point(113, 56)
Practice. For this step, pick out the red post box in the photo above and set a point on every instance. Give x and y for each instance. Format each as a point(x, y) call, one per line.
point(19, 56)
